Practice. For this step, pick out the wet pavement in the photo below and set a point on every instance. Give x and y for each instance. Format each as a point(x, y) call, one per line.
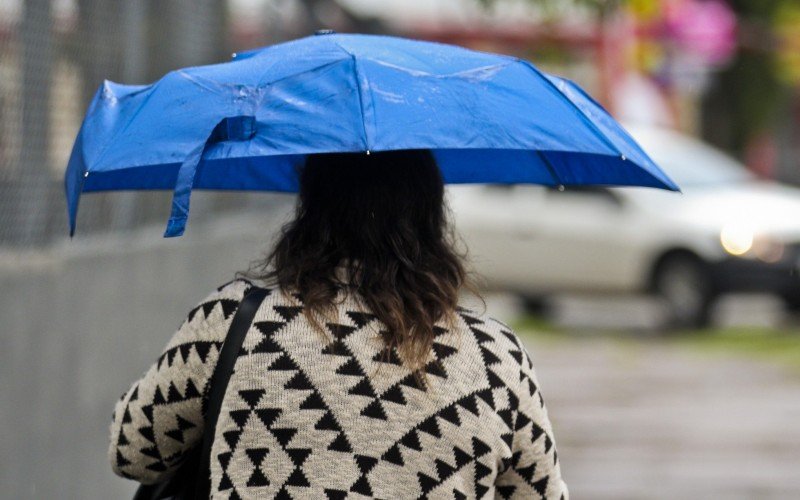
point(638, 419)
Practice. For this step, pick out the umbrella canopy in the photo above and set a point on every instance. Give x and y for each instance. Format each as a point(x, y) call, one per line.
point(248, 123)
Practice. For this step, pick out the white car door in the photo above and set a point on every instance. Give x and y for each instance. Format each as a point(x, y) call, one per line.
point(540, 240)
point(487, 220)
point(576, 240)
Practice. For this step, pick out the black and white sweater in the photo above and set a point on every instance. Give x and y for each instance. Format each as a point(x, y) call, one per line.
point(304, 418)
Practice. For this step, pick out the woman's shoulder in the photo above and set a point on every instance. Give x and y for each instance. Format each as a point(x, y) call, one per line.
point(496, 336)
point(228, 296)
point(239, 287)
point(235, 290)
point(482, 320)
point(238, 284)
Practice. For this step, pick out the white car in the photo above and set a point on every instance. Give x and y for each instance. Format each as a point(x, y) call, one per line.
point(726, 232)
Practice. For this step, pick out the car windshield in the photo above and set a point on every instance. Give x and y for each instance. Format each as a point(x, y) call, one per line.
point(690, 162)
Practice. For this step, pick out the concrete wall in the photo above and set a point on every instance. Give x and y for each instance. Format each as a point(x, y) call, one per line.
point(80, 322)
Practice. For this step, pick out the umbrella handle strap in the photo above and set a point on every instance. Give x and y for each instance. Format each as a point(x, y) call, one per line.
point(183, 190)
point(234, 128)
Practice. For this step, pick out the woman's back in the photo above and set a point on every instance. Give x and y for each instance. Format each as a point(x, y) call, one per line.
point(341, 417)
point(367, 379)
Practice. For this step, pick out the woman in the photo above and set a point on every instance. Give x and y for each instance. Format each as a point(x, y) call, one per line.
point(361, 375)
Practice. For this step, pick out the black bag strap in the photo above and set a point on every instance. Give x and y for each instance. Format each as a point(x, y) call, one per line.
point(219, 380)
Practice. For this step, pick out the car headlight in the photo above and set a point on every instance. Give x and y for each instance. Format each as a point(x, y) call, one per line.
point(737, 239)
point(742, 241)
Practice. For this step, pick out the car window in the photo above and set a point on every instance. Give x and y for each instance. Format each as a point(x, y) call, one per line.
point(690, 162)
point(699, 169)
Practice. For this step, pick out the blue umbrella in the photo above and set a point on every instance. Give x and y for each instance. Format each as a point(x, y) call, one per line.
point(248, 123)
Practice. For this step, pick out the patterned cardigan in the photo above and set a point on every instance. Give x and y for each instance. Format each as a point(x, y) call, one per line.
point(339, 416)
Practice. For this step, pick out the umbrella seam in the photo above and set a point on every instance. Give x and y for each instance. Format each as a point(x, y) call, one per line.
point(261, 83)
point(457, 74)
point(200, 81)
point(549, 167)
point(585, 94)
point(572, 105)
point(361, 97)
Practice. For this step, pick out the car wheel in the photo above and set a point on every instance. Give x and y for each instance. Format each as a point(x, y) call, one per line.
point(682, 281)
point(791, 301)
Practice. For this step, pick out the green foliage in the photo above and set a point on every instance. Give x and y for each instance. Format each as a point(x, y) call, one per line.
point(776, 346)
point(745, 99)
point(748, 96)
point(757, 9)
point(781, 347)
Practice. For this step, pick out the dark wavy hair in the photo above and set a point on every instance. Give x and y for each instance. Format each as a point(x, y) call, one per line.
point(383, 218)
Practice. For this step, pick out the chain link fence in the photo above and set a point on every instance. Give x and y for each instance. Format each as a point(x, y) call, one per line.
point(53, 57)
point(55, 54)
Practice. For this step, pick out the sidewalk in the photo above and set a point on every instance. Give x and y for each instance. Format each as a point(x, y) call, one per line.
point(636, 419)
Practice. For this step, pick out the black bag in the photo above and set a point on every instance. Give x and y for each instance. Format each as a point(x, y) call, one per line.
point(192, 479)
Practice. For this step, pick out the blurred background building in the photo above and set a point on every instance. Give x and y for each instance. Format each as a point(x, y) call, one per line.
point(82, 318)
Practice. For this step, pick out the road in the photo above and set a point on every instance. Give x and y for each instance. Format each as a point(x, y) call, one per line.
point(637, 419)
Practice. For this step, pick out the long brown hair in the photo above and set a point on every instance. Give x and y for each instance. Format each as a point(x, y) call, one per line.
point(383, 218)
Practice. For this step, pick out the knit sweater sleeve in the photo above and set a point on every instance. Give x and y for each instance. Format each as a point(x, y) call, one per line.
point(534, 471)
point(160, 417)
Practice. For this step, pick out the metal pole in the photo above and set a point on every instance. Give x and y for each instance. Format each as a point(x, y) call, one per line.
point(134, 66)
point(33, 173)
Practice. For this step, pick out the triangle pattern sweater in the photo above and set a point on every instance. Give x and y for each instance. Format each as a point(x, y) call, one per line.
point(339, 416)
